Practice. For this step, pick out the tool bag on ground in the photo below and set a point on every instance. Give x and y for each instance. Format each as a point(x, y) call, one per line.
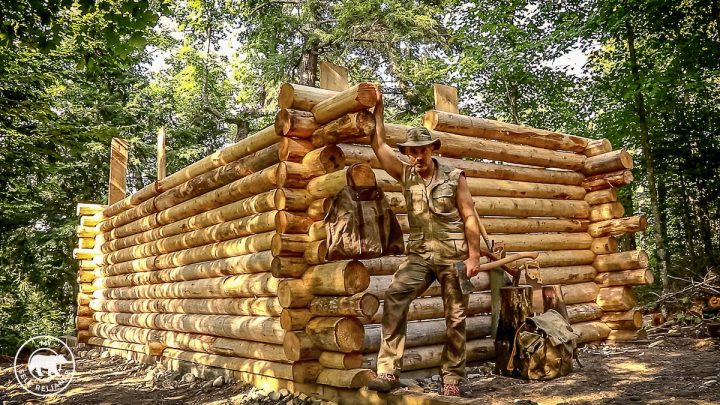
point(361, 225)
point(544, 347)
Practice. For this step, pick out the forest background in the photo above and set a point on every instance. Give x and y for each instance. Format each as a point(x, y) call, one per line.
point(73, 74)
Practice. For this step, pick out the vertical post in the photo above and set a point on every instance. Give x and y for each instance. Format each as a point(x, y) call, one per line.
point(333, 77)
point(497, 281)
point(118, 170)
point(161, 159)
point(516, 304)
point(446, 98)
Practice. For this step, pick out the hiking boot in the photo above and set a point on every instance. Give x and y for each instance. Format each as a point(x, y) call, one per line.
point(384, 383)
point(450, 390)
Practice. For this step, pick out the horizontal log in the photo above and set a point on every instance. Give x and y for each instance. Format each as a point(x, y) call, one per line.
point(608, 162)
point(500, 188)
point(432, 308)
point(340, 361)
point(135, 347)
point(604, 245)
point(86, 276)
point(354, 379)
point(86, 231)
point(592, 331)
point(86, 243)
point(631, 320)
point(503, 131)
point(87, 265)
point(615, 227)
point(533, 225)
point(417, 358)
point(634, 259)
point(356, 98)
point(383, 266)
point(91, 220)
point(601, 196)
point(293, 150)
point(243, 285)
point(604, 212)
point(627, 335)
point(427, 332)
point(616, 298)
point(379, 285)
point(472, 168)
point(580, 293)
point(295, 318)
point(83, 298)
point(324, 160)
point(84, 311)
point(345, 129)
point(544, 242)
point(336, 334)
point(583, 312)
point(254, 328)
point(88, 209)
point(299, 372)
point(245, 226)
point(299, 97)
point(597, 147)
point(330, 184)
point(261, 306)
point(559, 258)
point(251, 144)
point(360, 304)
point(84, 254)
point(298, 346)
point(563, 275)
point(295, 123)
point(337, 278)
point(288, 267)
point(83, 322)
point(608, 180)
point(625, 277)
point(294, 293)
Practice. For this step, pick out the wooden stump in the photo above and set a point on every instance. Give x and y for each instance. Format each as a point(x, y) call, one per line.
point(552, 299)
point(515, 307)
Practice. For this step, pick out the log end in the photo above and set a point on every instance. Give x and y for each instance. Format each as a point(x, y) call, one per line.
point(367, 94)
point(286, 96)
point(356, 277)
point(369, 305)
point(430, 119)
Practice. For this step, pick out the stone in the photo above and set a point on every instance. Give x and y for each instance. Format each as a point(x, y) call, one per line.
point(188, 378)
point(709, 383)
point(218, 382)
point(104, 355)
point(406, 382)
point(207, 384)
point(150, 376)
point(436, 378)
point(274, 396)
point(427, 381)
point(474, 376)
point(283, 392)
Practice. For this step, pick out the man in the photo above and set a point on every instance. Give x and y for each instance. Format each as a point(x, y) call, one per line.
point(444, 230)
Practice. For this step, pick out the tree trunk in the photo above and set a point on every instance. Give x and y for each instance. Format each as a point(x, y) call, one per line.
point(516, 306)
point(648, 158)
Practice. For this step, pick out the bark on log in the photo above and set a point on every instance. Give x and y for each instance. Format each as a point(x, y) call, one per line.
point(299, 97)
point(357, 98)
point(625, 277)
point(608, 162)
point(502, 131)
point(295, 123)
point(608, 180)
point(583, 312)
point(544, 242)
point(324, 160)
point(634, 259)
point(345, 129)
point(261, 306)
point(604, 245)
point(337, 278)
point(471, 168)
point(560, 258)
point(298, 346)
point(288, 245)
point(336, 334)
point(580, 293)
point(330, 184)
point(360, 304)
point(563, 275)
point(607, 211)
point(383, 266)
point(533, 225)
point(597, 147)
point(427, 332)
point(419, 358)
point(601, 196)
point(630, 320)
point(615, 227)
point(616, 298)
point(380, 284)
point(432, 307)
point(516, 306)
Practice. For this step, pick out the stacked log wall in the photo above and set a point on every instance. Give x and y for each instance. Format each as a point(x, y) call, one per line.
point(223, 263)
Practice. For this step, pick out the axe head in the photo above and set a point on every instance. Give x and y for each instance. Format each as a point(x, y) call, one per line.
point(466, 286)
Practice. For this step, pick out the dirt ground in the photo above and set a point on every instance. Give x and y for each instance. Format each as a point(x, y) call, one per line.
point(676, 370)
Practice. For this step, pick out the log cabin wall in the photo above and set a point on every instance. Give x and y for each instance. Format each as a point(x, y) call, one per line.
point(222, 264)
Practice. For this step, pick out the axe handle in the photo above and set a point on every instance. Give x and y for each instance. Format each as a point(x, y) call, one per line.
point(508, 259)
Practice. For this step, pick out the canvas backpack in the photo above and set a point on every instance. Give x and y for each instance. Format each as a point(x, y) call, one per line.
point(544, 347)
point(361, 225)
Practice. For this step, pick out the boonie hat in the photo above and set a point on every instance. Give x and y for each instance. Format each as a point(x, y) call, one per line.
point(418, 136)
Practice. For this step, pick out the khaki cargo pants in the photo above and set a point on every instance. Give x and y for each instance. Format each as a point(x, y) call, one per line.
point(412, 278)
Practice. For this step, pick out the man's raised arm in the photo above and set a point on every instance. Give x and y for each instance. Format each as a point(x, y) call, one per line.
point(385, 154)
